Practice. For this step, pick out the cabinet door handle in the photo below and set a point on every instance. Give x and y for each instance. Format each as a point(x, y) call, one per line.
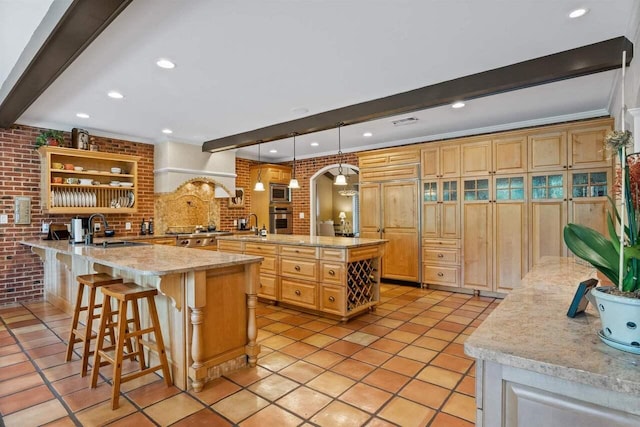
point(570, 166)
point(332, 273)
point(440, 274)
point(261, 284)
point(298, 292)
point(297, 268)
point(564, 167)
point(332, 299)
point(378, 230)
point(440, 256)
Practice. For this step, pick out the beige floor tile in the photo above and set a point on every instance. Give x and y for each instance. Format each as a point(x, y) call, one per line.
point(277, 341)
point(419, 354)
point(276, 361)
point(324, 359)
point(272, 416)
point(12, 359)
point(24, 382)
point(246, 376)
point(406, 413)
point(301, 371)
point(37, 415)
point(361, 338)
point(439, 376)
point(403, 365)
point(389, 323)
point(365, 397)
point(304, 401)
point(440, 334)
point(405, 337)
point(320, 340)
point(431, 343)
point(215, 390)
point(339, 414)
point(173, 409)
point(277, 327)
point(353, 369)
point(425, 394)
point(331, 383)
point(461, 406)
point(240, 405)
point(102, 414)
point(273, 387)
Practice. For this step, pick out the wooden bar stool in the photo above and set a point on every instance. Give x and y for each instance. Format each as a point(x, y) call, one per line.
point(115, 354)
point(78, 335)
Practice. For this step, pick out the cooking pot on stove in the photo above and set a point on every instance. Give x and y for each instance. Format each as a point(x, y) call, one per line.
point(211, 227)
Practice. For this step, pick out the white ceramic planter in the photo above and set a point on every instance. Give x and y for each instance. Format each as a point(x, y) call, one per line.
point(620, 319)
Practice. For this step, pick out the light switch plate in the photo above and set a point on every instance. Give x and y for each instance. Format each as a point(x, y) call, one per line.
point(4, 219)
point(127, 226)
point(301, 215)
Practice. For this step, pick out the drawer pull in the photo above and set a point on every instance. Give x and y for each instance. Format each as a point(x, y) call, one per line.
point(440, 256)
point(440, 274)
point(297, 268)
point(297, 251)
point(332, 273)
point(261, 285)
point(297, 292)
point(332, 299)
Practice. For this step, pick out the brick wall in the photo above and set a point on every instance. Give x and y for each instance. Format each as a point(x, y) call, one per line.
point(20, 270)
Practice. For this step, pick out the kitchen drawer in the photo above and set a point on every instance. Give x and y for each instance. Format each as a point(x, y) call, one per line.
point(259, 249)
point(365, 252)
point(269, 264)
point(333, 273)
point(442, 243)
point(332, 300)
point(439, 275)
point(298, 292)
point(298, 251)
point(332, 254)
point(229, 246)
point(268, 286)
point(299, 268)
point(441, 256)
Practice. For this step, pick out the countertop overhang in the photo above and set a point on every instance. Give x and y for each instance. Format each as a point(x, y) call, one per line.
point(530, 330)
point(155, 260)
point(303, 240)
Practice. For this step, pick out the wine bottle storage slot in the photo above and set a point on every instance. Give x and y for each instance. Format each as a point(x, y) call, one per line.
point(360, 283)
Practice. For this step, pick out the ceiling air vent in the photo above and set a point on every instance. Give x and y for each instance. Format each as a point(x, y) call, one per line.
point(404, 122)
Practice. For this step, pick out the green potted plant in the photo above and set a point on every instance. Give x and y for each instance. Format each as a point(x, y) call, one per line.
point(616, 256)
point(50, 137)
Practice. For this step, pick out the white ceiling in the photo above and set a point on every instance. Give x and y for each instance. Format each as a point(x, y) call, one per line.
point(243, 65)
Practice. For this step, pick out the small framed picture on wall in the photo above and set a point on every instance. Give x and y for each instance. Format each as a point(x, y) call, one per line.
point(238, 200)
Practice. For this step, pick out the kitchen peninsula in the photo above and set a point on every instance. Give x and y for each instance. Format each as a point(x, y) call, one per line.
point(206, 300)
point(336, 276)
point(537, 367)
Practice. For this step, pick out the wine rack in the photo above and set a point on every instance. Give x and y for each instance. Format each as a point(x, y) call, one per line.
point(361, 280)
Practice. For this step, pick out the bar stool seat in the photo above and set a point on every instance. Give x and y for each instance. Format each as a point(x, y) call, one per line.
point(127, 329)
point(77, 334)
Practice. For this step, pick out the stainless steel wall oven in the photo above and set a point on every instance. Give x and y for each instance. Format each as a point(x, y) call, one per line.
point(280, 220)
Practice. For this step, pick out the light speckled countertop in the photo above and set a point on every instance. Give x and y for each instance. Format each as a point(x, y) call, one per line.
point(154, 260)
point(530, 330)
point(303, 240)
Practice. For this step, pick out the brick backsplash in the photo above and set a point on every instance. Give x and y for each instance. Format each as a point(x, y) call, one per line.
point(20, 270)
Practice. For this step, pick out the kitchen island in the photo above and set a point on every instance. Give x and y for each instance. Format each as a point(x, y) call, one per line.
point(537, 367)
point(206, 300)
point(335, 276)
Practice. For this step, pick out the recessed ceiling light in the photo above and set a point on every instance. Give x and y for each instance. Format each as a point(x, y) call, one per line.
point(273, 150)
point(165, 63)
point(167, 131)
point(458, 104)
point(115, 95)
point(314, 144)
point(82, 115)
point(367, 134)
point(578, 13)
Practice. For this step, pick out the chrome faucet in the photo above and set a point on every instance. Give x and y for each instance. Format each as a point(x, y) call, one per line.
point(257, 230)
point(88, 238)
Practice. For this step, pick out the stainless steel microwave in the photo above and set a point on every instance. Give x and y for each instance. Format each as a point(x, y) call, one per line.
point(279, 193)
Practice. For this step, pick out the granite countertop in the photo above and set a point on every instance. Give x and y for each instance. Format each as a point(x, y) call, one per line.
point(530, 330)
point(156, 260)
point(303, 240)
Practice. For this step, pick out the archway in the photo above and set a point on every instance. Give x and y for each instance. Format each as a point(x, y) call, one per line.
point(326, 202)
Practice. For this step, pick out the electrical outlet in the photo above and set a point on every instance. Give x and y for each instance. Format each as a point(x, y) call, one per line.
point(127, 226)
point(301, 215)
point(235, 222)
point(96, 227)
point(4, 219)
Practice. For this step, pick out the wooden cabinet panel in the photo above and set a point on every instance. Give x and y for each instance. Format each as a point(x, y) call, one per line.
point(548, 219)
point(450, 220)
point(332, 300)
point(395, 156)
point(298, 268)
point(430, 220)
point(440, 256)
point(441, 161)
point(332, 254)
point(547, 151)
point(510, 155)
point(400, 227)
point(298, 251)
point(332, 273)
point(441, 275)
point(229, 246)
point(268, 286)
point(510, 255)
point(260, 248)
point(298, 292)
point(269, 264)
point(429, 162)
point(476, 158)
point(389, 173)
point(586, 147)
point(588, 203)
point(477, 245)
point(370, 208)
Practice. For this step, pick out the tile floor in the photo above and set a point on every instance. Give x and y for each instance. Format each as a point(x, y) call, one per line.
point(402, 364)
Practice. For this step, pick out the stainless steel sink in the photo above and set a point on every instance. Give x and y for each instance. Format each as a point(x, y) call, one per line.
point(119, 244)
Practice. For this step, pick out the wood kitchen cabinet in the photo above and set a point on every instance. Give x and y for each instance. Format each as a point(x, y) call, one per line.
point(260, 202)
point(61, 191)
point(504, 154)
point(440, 161)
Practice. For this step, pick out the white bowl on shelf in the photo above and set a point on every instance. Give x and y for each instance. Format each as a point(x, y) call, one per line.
point(126, 184)
point(78, 168)
point(116, 170)
point(87, 181)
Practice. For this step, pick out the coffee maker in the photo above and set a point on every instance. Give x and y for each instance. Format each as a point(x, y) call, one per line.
point(242, 223)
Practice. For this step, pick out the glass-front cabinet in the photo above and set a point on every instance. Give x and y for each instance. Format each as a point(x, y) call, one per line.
point(440, 209)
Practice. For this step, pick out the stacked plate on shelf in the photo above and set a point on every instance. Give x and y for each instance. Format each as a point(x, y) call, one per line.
point(72, 199)
point(126, 201)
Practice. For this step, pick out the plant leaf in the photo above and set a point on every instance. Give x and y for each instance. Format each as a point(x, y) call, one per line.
point(594, 248)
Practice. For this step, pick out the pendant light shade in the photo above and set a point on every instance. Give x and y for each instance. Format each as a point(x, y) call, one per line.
point(340, 178)
point(293, 183)
point(259, 185)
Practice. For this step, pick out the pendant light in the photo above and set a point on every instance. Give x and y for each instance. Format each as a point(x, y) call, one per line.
point(340, 178)
point(259, 185)
point(293, 183)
